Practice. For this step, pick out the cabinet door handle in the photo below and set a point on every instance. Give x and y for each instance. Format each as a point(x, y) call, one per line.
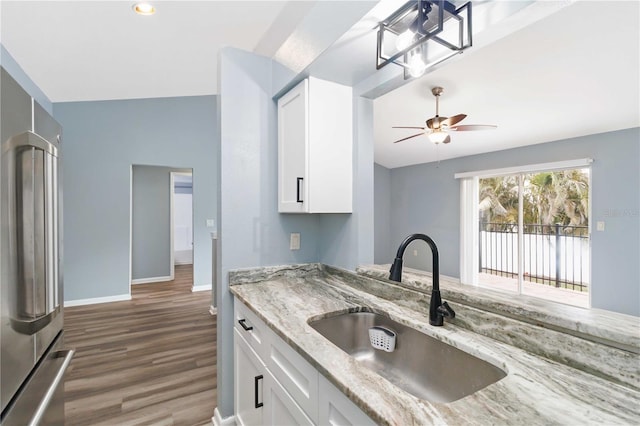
point(298, 198)
point(243, 323)
point(255, 395)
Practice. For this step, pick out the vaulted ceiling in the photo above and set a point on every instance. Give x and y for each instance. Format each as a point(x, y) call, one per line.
point(575, 71)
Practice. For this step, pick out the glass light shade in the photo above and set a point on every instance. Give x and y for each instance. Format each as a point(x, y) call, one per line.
point(438, 136)
point(405, 39)
point(416, 65)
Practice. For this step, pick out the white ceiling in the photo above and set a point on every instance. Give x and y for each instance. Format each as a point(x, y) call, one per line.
point(97, 50)
point(573, 73)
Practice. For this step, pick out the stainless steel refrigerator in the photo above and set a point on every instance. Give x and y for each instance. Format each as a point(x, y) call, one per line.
point(32, 357)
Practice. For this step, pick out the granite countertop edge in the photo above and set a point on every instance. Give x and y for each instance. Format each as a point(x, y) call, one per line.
point(612, 328)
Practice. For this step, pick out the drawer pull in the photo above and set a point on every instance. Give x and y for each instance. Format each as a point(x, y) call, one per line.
point(243, 323)
point(255, 395)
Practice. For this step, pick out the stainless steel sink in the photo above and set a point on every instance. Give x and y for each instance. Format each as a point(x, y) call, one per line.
point(420, 364)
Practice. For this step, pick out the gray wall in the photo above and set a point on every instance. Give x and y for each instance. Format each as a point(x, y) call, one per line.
point(252, 231)
point(426, 198)
point(346, 240)
point(151, 221)
point(102, 141)
point(383, 252)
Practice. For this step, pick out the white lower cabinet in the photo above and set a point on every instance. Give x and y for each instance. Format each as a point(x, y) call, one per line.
point(249, 382)
point(336, 409)
point(282, 388)
point(279, 406)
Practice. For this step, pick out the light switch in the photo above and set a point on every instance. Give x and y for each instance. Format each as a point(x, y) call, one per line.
point(600, 226)
point(415, 252)
point(294, 242)
point(211, 223)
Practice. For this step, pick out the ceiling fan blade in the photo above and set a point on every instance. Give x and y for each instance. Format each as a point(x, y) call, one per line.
point(452, 121)
point(470, 127)
point(407, 127)
point(447, 139)
point(409, 137)
point(436, 122)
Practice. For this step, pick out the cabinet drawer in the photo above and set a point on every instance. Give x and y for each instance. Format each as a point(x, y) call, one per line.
point(297, 376)
point(251, 328)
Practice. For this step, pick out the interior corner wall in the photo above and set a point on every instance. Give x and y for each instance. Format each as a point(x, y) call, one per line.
point(383, 252)
point(151, 222)
point(426, 199)
point(252, 232)
point(347, 240)
point(102, 140)
point(15, 70)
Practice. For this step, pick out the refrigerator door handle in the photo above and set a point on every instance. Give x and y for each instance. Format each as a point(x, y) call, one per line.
point(51, 390)
point(51, 233)
point(33, 326)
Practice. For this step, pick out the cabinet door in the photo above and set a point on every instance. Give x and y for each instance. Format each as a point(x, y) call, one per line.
point(329, 152)
point(294, 373)
point(249, 375)
point(279, 407)
point(293, 137)
point(336, 409)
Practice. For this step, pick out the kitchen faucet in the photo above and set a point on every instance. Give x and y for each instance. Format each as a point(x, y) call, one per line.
point(437, 309)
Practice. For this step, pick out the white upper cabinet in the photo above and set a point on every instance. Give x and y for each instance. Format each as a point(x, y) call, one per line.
point(315, 139)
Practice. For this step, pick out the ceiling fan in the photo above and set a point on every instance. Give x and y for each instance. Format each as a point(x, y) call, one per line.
point(437, 126)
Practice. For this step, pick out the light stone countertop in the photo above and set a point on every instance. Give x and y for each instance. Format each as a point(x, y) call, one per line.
point(536, 390)
point(615, 329)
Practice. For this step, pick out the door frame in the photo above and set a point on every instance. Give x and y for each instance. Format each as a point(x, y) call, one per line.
point(172, 259)
point(171, 243)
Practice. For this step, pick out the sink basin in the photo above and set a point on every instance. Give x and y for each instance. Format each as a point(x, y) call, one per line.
point(419, 364)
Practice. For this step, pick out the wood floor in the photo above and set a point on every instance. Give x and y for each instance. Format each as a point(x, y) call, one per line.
point(148, 361)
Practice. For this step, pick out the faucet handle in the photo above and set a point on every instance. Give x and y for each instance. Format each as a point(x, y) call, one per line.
point(446, 311)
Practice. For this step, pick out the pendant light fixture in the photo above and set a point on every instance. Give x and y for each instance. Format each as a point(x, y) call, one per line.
point(422, 34)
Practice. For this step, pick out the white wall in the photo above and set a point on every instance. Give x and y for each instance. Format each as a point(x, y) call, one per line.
point(182, 228)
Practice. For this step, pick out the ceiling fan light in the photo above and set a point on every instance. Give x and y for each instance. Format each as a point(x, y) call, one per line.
point(438, 136)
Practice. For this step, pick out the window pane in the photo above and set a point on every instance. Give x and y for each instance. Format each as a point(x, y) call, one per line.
point(498, 228)
point(556, 236)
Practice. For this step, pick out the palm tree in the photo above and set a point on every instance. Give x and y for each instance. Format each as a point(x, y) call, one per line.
point(549, 198)
point(558, 197)
point(499, 199)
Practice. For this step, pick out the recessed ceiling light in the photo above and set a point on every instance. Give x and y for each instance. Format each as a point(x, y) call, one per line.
point(145, 9)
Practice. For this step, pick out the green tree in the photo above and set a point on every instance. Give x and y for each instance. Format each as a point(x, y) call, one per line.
point(558, 197)
point(549, 198)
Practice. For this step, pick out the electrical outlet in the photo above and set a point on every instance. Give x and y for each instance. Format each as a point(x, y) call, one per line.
point(294, 241)
point(211, 223)
point(600, 226)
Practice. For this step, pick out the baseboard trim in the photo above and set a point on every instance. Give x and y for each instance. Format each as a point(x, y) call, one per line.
point(96, 300)
point(213, 310)
point(206, 287)
point(151, 280)
point(217, 419)
point(181, 262)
